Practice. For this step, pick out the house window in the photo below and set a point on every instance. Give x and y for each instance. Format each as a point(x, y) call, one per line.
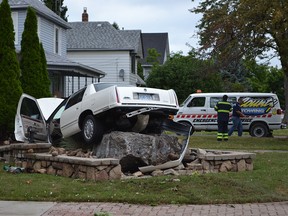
point(57, 41)
point(15, 24)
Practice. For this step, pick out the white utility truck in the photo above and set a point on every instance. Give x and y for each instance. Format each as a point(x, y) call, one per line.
point(262, 112)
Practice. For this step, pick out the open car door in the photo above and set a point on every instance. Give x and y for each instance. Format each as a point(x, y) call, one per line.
point(32, 116)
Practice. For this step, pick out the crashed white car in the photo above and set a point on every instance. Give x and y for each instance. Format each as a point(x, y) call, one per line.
point(94, 110)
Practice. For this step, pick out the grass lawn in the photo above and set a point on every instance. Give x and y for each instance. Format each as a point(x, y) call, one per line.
point(266, 183)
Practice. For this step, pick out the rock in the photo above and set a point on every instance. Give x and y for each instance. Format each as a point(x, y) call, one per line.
point(135, 150)
point(6, 142)
point(42, 171)
point(157, 173)
point(54, 153)
point(67, 170)
point(30, 151)
point(138, 174)
point(201, 153)
point(115, 173)
point(241, 165)
point(205, 165)
point(170, 172)
point(226, 166)
point(61, 151)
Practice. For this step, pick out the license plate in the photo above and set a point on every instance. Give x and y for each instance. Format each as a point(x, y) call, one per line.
point(145, 97)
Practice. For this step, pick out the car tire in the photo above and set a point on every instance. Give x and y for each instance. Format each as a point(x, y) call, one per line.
point(92, 130)
point(259, 130)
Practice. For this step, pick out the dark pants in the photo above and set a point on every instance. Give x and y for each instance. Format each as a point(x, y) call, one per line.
point(222, 130)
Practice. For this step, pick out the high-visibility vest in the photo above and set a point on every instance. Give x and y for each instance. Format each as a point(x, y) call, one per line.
point(223, 108)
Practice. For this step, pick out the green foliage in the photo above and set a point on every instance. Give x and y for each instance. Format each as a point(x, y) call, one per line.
point(153, 56)
point(34, 80)
point(115, 25)
point(266, 183)
point(233, 29)
point(263, 78)
point(57, 7)
point(10, 90)
point(45, 78)
point(140, 70)
point(185, 74)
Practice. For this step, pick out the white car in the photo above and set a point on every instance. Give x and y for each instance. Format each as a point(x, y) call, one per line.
point(94, 110)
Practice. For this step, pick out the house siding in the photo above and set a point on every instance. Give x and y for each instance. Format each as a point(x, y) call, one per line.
point(111, 62)
point(48, 39)
point(20, 28)
point(46, 30)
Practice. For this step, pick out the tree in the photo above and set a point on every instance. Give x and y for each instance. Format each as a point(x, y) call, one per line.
point(33, 80)
point(45, 76)
point(140, 71)
point(263, 78)
point(248, 29)
point(10, 90)
point(185, 74)
point(153, 56)
point(57, 7)
point(116, 26)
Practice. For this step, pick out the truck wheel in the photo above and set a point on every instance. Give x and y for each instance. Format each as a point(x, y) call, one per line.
point(92, 130)
point(259, 130)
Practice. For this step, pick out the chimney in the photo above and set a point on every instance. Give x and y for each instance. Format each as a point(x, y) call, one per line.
point(85, 15)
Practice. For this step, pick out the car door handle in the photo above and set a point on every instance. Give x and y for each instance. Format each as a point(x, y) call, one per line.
point(203, 109)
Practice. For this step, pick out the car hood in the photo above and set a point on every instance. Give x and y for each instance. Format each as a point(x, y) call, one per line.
point(48, 105)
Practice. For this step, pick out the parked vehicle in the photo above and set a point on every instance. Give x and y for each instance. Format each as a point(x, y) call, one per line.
point(262, 112)
point(94, 110)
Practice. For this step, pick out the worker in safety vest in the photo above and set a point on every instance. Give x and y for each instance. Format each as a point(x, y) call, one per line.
point(223, 109)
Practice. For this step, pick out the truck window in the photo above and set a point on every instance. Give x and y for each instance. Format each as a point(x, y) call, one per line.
point(215, 100)
point(197, 102)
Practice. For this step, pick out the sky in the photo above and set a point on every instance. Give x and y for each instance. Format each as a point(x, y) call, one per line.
point(149, 16)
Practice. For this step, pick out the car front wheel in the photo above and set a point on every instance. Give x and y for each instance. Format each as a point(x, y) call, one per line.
point(92, 130)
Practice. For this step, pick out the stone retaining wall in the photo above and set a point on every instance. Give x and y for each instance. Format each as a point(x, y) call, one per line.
point(35, 158)
point(32, 158)
point(215, 161)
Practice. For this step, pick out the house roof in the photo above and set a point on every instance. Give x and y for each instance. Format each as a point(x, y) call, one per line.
point(159, 41)
point(40, 9)
point(95, 36)
point(70, 68)
point(135, 39)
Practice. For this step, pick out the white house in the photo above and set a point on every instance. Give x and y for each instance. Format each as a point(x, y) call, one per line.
point(101, 46)
point(52, 31)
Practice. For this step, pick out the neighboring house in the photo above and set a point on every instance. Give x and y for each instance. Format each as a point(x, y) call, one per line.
point(52, 32)
point(101, 46)
point(158, 41)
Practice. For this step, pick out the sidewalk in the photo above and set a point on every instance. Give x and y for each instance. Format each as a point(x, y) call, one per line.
point(15, 208)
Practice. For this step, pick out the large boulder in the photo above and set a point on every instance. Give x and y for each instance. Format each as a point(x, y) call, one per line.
point(135, 150)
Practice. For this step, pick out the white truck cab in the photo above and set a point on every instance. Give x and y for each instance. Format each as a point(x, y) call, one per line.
point(262, 112)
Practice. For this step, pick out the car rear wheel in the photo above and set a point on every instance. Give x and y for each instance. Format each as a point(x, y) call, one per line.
point(259, 130)
point(92, 130)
